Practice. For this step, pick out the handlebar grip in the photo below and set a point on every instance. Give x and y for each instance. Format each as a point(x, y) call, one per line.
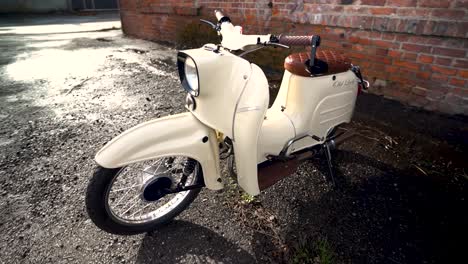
point(295, 40)
point(219, 14)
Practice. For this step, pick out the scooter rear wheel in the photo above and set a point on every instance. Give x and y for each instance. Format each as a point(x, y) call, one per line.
point(132, 200)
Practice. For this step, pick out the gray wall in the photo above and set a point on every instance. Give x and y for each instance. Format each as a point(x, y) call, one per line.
point(33, 5)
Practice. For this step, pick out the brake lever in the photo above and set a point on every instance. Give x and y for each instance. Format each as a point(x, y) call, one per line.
point(278, 45)
point(213, 25)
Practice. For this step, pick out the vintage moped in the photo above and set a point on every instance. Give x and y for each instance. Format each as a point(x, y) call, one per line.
point(150, 173)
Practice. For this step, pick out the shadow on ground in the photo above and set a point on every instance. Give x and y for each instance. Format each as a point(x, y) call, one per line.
point(388, 216)
point(185, 242)
point(400, 195)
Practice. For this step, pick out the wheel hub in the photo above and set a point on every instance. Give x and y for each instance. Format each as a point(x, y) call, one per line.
point(155, 182)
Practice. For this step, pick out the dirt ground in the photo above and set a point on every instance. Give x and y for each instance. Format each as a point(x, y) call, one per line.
point(68, 85)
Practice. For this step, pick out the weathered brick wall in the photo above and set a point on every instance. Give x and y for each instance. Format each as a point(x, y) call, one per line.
point(414, 51)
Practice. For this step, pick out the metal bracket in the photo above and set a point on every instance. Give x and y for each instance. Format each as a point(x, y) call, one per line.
point(284, 152)
point(327, 148)
point(357, 71)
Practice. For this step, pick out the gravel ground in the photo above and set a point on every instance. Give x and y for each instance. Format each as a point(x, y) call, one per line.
point(67, 86)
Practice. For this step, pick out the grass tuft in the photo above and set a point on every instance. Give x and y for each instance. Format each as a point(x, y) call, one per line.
point(320, 252)
point(325, 252)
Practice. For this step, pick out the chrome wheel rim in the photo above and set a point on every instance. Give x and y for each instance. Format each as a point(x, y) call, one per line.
point(124, 195)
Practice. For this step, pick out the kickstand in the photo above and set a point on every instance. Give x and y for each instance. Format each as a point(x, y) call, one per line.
point(326, 146)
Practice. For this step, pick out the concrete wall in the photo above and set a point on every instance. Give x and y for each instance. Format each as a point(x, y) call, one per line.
point(414, 51)
point(39, 6)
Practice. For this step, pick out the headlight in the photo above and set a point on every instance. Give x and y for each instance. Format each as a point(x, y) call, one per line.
point(188, 74)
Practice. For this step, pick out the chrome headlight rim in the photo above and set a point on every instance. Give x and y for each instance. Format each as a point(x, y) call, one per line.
point(181, 64)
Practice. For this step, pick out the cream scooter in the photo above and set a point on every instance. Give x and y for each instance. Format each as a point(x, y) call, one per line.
point(152, 172)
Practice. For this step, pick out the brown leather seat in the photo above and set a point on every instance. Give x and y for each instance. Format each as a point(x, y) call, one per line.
point(329, 62)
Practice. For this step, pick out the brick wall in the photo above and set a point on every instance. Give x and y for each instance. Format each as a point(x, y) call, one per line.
point(414, 51)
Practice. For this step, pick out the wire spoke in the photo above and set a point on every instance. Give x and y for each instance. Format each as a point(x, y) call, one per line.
point(125, 188)
point(121, 199)
point(141, 209)
point(131, 205)
point(124, 201)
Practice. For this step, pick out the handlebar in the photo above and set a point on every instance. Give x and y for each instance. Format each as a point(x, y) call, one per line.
point(295, 40)
point(233, 38)
point(219, 14)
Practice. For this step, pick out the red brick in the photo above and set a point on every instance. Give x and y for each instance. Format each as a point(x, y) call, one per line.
point(402, 38)
point(448, 52)
point(381, 52)
point(357, 55)
point(457, 82)
point(385, 24)
point(416, 48)
point(375, 35)
point(401, 3)
point(353, 39)
point(423, 75)
point(463, 73)
point(358, 48)
point(186, 11)
point(443, 70)
point(385, 44)
point(391, 69)
point(373, 2)
point(460, 3)
point(413, 12)
point(425, 58)
point(439, 77)
point(382, 11)
point(407, 64)
point(448, 14)
point(390, 36)
point(443, 61)
point(434, 3)
point(364, 41)
point(418, 40)
point(444, 28)
point(410, 56)
point(461, 64)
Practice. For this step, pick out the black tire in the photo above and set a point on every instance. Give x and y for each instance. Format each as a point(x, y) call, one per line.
point(96, 196)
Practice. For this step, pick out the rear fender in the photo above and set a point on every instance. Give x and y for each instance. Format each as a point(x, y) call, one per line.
point(180, 134)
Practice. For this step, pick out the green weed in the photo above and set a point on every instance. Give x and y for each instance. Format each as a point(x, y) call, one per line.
point(247, 198)
point(320, 252)
point(325, 252)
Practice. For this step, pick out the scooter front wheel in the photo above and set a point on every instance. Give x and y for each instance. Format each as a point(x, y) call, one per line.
point(142, 196)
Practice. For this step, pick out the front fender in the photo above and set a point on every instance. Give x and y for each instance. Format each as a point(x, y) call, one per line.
point(181, 134)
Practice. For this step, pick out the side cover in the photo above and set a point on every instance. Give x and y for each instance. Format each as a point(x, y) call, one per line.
point(180, 134)
point(250, 111)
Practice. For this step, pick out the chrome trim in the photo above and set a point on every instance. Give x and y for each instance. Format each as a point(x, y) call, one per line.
point(237, 103)
point(246, 109)
point(190, 102)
